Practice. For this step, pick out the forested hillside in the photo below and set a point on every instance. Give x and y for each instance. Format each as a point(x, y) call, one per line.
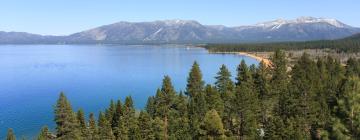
point(315, 100)
point(348, 45)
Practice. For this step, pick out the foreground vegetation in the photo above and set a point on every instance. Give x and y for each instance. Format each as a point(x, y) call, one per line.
point(315, 100)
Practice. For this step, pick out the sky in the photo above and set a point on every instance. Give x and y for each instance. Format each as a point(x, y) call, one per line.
point(63, 17)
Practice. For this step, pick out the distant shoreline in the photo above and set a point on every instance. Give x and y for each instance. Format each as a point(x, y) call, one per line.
point(248, 54)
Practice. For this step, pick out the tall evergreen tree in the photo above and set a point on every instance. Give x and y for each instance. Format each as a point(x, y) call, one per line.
point(146, 126)
point(130, 121)
point(195, 84)
point(44, 134)
point(134, 130)
point(197, 103)
point(165, 101)
point(66, 123)
point(150, 105)
point(214, 99)
point(282, 103)
point(117, 119)
point(246, 108)
point(225, 87)
point(243, 74)
point(349, 105)
point(223, 83)
point(105, 131)
point(304, 87)
point(93, 129)
point(10, 135)
point(109, 112)
point(82, 124)
point(179, 127)
point(262, 87)
point(181, 105)
point(212, 127)
point(159, 128)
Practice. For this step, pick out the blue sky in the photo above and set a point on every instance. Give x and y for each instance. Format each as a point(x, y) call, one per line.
point(61, 17)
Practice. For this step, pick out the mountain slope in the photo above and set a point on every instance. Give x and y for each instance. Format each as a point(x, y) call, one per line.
point(27, 38)
point(189, 31)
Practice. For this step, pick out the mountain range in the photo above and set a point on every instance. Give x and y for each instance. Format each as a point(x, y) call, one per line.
point(190, 31)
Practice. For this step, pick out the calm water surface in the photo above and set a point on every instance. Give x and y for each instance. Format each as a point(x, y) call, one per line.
point(31, 77)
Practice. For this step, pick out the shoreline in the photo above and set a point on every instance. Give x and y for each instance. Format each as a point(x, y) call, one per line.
point(249, 54)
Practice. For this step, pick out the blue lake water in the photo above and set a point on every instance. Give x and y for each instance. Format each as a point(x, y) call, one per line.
point(32, 76)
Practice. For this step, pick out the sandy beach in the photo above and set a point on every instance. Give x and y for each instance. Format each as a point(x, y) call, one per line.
point(248, 54)
point(259, 58)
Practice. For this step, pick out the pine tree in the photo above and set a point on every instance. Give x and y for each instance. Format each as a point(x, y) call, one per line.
point(128, 109)
point(336, 75)
point(44, 134)
point(93, 129)
point(324, 115)
point(352, 67)
point(66, 123)
point(109, 113)
point(159, 128)
point(349, 105)
point(116, 119)
point(195, 84)
point(134, 130)
point(10, 135)
point(150, 105)
point(146, 126)
point(105, 132)
point(243, 74)
point(246, 109)
point(304, 90)
point(261, 83)
point(225, 87)
point(82, 124)
point(213, 99)
point(181, 105)
point(197, 103)
point(212, 127)
point(245, 105)
point(122, 130)
point(165, 100)
point(281, 101)
point(252, 70)
point(130, 121)
point(223, 83)
point(179, 127)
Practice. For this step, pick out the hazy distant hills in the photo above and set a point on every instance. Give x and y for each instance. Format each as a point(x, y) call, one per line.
point(189, 31)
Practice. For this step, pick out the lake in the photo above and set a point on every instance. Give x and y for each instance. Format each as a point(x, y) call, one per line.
point(32, 76)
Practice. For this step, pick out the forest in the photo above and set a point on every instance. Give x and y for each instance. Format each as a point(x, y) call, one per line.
point(347, 45)
point(316, 99)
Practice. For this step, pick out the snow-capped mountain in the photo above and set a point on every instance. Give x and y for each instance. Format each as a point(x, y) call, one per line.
point(300, 29)
point(302, 20)
point(190, 31)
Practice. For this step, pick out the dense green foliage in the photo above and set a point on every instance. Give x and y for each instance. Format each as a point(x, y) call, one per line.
point(314, 100)
point(349, 45)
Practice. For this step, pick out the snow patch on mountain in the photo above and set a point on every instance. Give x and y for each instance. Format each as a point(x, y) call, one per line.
point(276, 24)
